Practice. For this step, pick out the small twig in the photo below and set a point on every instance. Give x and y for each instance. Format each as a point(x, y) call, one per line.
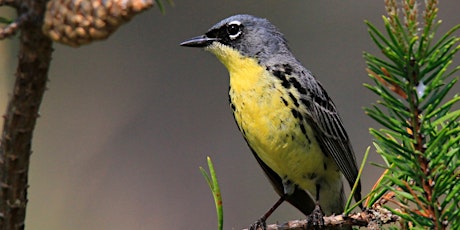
point(369, 218)
point(13, 27)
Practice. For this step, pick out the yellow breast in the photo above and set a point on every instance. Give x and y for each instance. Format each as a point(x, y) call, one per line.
point(259, 102)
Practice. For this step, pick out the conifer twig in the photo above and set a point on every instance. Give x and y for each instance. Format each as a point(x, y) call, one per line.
point(12, 28)
point(420, 137)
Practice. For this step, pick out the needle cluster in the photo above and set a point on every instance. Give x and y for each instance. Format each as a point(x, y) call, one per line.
point(420, 137)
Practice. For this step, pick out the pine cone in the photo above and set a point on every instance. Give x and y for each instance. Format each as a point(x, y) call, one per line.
point(79, 22)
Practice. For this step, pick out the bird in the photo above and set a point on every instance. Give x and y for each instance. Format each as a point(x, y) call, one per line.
point(285, 115)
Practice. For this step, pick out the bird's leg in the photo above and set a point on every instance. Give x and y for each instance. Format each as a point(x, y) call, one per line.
point(315, 219)
point(260, 223)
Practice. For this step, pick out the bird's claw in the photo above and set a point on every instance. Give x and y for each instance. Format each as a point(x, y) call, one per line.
point(315, 219)
point(258, 225)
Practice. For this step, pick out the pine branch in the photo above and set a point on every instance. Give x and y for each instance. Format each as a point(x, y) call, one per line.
point(420, 138)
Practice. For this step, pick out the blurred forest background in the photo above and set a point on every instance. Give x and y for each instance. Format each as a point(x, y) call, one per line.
point(126, 122)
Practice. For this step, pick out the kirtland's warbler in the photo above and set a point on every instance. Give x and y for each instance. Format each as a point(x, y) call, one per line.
point(286, 116)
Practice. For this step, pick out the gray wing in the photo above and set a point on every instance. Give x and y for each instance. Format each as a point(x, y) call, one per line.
point(322, 115)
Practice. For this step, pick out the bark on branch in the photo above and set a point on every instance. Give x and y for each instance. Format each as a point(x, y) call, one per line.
point(373, 219)
point(22, 112)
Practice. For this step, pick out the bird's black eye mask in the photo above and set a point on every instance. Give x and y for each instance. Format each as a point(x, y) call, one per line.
point(228, 33)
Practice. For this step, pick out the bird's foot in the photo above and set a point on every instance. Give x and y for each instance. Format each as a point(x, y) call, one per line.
point(315, 219)
point(258, 225)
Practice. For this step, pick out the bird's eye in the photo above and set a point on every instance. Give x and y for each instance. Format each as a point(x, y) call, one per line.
point(234, 29)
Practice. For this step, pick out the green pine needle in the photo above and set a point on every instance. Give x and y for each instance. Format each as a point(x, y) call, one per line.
point(355, 186)
point(420, 138)
point(214, 186)
point(161, 7)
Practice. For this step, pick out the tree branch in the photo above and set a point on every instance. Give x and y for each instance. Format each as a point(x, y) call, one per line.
point(371, 218)
point(13, 27)
point(31, 78)
point(22, 113)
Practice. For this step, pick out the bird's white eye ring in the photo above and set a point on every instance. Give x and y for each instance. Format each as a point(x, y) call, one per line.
point(234, 29)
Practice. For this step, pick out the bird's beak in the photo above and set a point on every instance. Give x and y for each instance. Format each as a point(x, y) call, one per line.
point(200, 41)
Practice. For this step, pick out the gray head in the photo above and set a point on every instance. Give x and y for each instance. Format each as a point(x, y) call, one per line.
point(251, 36)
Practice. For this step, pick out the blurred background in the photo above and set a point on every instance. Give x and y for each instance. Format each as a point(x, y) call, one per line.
point(126, 122)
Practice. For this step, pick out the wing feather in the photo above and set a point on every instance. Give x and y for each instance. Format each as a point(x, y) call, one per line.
point(321, 114)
